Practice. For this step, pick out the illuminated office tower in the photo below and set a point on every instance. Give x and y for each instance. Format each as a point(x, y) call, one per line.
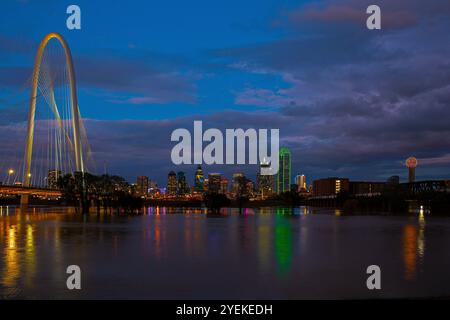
point(142, 185)
point(238, 182)
point(214, 182)
point(284, 171)
point(199, 180)
point(300, 180)
point(264, 183)
point(224, 185)
point(52, 179)
point(172, 184)
point(249, 188)
point(153, 188)
point(182, 187)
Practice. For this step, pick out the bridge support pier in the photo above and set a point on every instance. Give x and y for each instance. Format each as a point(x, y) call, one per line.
point(24, 200)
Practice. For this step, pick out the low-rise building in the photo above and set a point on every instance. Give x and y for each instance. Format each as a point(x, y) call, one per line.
point(330, 187)
point(366, 188)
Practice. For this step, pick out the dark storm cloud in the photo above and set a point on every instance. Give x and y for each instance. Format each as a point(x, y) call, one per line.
point(357, 100)
point(138, 80)
point(395, 13)
point(353, 12)
point(302, 52)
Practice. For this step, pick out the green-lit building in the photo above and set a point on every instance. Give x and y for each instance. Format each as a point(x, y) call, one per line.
point(284, 171)
point(199, 180)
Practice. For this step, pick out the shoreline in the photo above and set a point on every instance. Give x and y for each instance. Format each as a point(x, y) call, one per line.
point(286, 210)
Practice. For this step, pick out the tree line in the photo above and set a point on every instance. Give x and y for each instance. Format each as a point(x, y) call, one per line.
point(107, 192)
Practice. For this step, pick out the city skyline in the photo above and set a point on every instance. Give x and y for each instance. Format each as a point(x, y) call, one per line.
point(282, 181)
point(338, 111)
point(261, 182)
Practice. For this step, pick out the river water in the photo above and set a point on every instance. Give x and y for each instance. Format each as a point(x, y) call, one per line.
point(268, 253)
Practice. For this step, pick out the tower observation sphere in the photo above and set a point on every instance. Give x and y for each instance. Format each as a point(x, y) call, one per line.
point(411, 164)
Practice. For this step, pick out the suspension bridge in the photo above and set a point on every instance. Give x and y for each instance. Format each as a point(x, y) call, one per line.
point(53, 133)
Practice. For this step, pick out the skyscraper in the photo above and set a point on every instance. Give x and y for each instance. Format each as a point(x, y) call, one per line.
point(52, 178)
point(264, 183)
point(153, 189)
point(172, 184)
point(224, 185)
point(142, 185)
point(199, 180)
point(249, 188)
point(182, 187)
point(214, 182)
point(284, 171)
point(300, 180)
point(238, 183)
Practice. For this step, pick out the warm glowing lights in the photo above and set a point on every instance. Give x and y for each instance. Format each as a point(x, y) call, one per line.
point(264, 247)
point(338, 186)
point(421, 238)
point(410, 243)
point(12, 238)
point(305, 210)
point(411, 162)
point(11, 171)
point(30, 253)
point(11, 261)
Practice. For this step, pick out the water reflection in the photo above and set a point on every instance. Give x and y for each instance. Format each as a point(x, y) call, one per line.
point(283, 241)
point(29, 255)
point(304, 210)
point(171, 248)
point(414, 246)
point(410, 251)
point(285, 211)
point(421, 239)
point(264, 247)
point(12, 266)
point(157, 235)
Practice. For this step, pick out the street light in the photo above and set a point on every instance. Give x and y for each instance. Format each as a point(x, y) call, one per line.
point(29, 179)
point(10, 173)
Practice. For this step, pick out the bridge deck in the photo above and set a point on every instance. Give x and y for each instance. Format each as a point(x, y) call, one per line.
point(21, 190)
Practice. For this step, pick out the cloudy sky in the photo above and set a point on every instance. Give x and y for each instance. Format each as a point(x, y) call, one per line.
point(348, 101)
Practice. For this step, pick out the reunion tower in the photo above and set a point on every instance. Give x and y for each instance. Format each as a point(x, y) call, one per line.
point(411, 164)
